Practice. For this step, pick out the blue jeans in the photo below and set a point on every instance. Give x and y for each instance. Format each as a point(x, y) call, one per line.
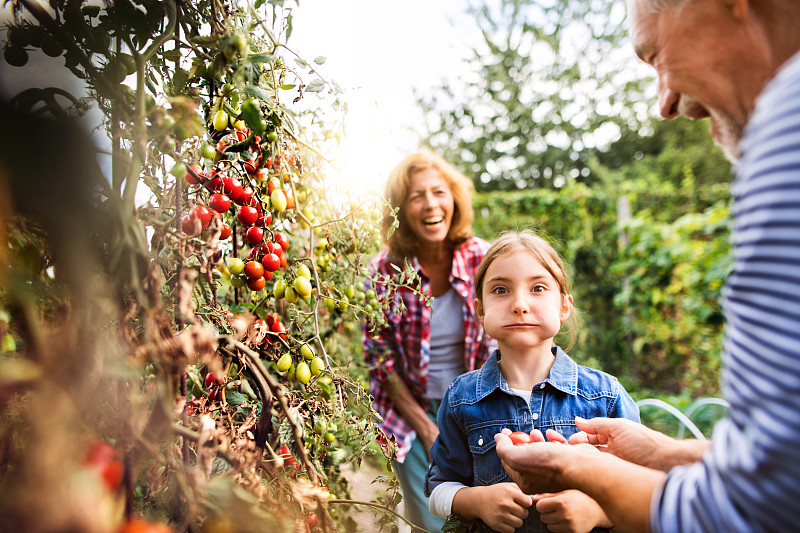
point(411, 474)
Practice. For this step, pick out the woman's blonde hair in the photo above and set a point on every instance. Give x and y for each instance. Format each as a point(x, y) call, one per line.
point(403, 242)
point(529, 241)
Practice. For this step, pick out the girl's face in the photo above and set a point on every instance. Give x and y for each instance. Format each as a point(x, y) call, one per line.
point(429, 206)
point(520, 303)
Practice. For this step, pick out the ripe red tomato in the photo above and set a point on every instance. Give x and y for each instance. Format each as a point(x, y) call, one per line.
point(247, 215)
point(278, 327)
point(520, 437)
point(273, 248)
point(256, 284)
point(225, 232)
point(271, 319)
point(189, 226)
point(232, 187)
point(210, 379)
point(272, 184)
point(102, 458)
point(246, 198)
point(138, 525)
point(254, 270)
point(254, 254)
point(311, 521)
point(215, 183)
point(219, 202)
point(265, 219)
point(249, 167)
point(268, 162)
point(202, 213)
point(254, 235)
point(284, 452)
point(221, 145)
point(282, 239)
point(289, 198)
point(190, 179)
point(271, 262)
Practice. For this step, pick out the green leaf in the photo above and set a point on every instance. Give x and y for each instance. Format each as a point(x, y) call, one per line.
point(171, 55)
point(319, 60)
point(234, 398)
point(260, 58)
point(315, 86)
point(288, 86)
point(207, 41)
point(258, 92)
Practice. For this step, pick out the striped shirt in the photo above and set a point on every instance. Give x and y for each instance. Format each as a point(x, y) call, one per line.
point(749, 481)
point(403, 346)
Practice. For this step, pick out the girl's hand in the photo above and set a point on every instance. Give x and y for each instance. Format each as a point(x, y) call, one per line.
point(503, 506)
point(570, 511)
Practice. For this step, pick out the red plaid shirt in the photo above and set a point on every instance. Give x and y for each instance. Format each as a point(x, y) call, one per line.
point(403, 347)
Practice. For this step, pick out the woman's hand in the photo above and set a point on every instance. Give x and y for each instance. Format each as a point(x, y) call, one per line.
point(502, 507)
point(570, 511)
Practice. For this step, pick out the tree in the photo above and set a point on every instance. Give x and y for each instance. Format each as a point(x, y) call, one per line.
point(549, 84)
point(183, 358)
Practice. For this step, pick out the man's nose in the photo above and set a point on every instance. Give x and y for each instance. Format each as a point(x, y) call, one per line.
point(668, 101)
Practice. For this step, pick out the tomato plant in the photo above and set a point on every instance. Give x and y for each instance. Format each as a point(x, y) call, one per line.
point(220, 236)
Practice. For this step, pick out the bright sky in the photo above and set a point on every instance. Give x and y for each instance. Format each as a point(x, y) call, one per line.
point(379, 52)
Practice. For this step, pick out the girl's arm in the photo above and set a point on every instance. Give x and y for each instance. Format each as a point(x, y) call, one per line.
point(502, 507)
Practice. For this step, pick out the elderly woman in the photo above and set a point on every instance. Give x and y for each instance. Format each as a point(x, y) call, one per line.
point(413, 359)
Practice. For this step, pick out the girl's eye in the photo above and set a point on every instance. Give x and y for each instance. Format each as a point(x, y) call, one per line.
point(538, 288)
point(499, 290)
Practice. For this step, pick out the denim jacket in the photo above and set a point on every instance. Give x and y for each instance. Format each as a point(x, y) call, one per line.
point(478, 404)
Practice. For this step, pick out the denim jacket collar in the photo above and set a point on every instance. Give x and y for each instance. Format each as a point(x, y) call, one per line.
point(563, 375)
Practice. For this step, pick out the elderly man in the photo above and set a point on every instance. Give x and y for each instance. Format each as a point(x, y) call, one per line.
point(737, 62)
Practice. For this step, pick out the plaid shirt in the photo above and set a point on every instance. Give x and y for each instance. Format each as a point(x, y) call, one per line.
point(403, 346)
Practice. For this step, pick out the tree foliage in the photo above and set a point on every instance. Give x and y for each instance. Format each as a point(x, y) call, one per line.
point(549, 83)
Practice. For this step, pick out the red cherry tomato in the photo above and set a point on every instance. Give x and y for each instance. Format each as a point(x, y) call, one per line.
point(311, 521)
point(102, 458)
point(247, 215)
point(278, 327)
point(254, 254)
point(254, 235)
point(219, 202)
point(256, 284)
point(225, 232)
point(189, 226)
point(284, 452)
point(254, 270)
point(271, 262)
point(289, 198)
point(202, 213)
point(282, 239)
point(190, 179)
point(246, 198)
point(519, 437)
point(210, 379)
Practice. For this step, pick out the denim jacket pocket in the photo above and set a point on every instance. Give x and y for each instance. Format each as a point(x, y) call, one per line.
point(486, 466)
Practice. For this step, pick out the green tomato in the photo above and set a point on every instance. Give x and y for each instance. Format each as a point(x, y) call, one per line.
point(278, 200)
point(350, 292)
point(342, 304)
point(303, 373)
point(328, 437)
point(279, 289)
point(329, 303)
point(272, 136)
point(291, 295)
point(238, 281)
point(284, 362)
point(307, 351)
point(319, 426)
point(303, 271)
point(208, 152)
point(317, 366)
point(235, 266)
point(178, 169)
point(220, 120)
point(291, 374)
point(303, 287)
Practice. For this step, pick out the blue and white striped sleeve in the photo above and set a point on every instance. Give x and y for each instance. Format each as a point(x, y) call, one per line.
point(749, 481)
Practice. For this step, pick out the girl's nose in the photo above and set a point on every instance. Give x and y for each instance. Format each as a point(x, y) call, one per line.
point(520, 307)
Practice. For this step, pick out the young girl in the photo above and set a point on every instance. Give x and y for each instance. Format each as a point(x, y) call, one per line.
point(521, 297)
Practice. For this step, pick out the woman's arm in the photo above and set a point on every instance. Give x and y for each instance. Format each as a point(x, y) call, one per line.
point(411, 410)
